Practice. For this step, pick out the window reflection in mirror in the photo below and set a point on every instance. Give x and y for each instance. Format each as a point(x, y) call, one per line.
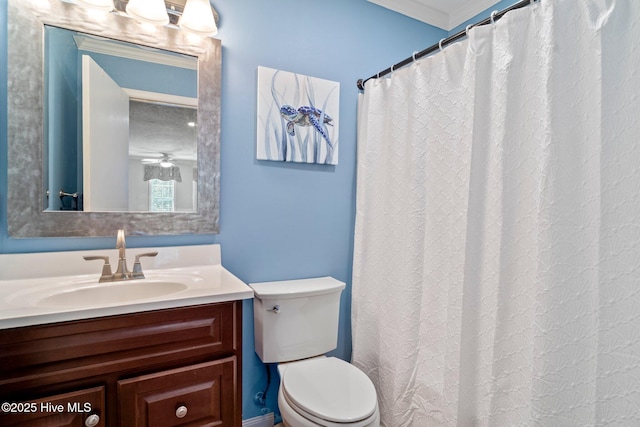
point(117, 116)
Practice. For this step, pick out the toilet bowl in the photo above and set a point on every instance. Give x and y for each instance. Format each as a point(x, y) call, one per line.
point(295, 324)
point(328, 392)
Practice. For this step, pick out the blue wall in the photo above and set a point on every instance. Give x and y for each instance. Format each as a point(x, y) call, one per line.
point(61, 124)
point(283, 221)
point(277, 221)
point(147, 76)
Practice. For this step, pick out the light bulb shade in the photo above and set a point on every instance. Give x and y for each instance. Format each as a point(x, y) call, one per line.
point(106, 5)
point(197, 18)
point(149, 11)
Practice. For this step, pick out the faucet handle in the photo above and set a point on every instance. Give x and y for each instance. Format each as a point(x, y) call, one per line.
point(106, 275)
point(137, 267)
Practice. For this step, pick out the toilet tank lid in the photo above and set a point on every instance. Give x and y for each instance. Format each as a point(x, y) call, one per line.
point(283, 289)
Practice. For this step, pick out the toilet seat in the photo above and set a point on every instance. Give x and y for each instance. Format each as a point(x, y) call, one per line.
point(291, 418)
point(330, 392)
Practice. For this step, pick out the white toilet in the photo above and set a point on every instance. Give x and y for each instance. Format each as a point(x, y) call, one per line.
point(296, 322)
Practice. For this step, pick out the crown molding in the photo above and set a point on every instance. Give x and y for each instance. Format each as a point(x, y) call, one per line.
point(431, 12)
point(140, 53)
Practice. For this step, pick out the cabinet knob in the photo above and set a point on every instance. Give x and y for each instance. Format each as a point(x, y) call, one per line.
point(92, 421)
point(181, 412)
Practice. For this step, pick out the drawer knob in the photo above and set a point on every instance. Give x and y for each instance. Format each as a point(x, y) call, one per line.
point(181, 412)
point(92, 421)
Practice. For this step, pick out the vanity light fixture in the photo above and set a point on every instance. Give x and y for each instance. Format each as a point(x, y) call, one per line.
point(193, 16)
point(197, 18)
point(105, 5)
point(148, 11)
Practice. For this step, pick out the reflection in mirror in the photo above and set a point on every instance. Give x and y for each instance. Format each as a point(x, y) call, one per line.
point(165, 203)
point(127, 129)
point(163, 174)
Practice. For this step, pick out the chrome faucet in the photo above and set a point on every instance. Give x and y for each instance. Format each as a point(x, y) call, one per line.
point(122, 272)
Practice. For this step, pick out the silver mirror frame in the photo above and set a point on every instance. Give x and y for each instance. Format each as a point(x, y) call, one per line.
point(25, 130)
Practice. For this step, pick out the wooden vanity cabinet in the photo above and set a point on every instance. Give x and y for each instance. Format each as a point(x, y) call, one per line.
point(172, 367)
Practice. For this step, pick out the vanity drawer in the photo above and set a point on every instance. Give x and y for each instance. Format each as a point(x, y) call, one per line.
point(197, 395)
point(77, 409)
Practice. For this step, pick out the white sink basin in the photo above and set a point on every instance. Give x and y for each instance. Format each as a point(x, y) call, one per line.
point(108, 293)
point(83, 292)
point(65, 287)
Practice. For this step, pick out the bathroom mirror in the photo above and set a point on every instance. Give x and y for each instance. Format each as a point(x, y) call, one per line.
point(32, 159)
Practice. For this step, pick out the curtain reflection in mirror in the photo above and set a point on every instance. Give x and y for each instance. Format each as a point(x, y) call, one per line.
point(162, 173)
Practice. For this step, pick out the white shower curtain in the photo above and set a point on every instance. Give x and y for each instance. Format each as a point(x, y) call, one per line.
point(497, 253)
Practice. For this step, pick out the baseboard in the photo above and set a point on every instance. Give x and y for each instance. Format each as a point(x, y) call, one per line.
point(261, 421)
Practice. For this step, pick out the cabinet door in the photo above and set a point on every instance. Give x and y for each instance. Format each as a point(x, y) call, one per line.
point(77, 409)
point(197, 395)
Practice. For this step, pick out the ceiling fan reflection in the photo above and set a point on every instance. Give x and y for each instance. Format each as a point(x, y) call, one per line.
point(166, 161)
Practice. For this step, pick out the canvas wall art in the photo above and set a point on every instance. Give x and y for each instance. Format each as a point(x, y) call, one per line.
point(297, 118)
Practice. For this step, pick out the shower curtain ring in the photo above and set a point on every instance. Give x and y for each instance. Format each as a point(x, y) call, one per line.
point(493, 16)
point(392, 68)
point(467, 29)
point(440, 43)
point(414, 56)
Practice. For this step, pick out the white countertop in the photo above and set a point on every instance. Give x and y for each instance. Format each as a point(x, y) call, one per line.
point(26, 276)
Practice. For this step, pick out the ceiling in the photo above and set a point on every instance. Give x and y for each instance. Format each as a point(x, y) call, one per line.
point(445, 14)
point(156, 128)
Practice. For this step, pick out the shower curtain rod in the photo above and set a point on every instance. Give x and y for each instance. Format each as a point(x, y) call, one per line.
point(495, 15)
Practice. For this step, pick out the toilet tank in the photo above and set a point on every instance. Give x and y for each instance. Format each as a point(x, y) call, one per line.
point(296, 319)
